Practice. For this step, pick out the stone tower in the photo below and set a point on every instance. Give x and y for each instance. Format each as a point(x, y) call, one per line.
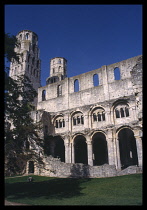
point(58, 70)
point(29, 62)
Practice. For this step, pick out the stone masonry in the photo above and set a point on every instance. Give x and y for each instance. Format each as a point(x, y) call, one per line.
point(92, 122)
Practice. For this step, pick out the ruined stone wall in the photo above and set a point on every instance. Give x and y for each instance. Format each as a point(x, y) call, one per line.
point(88, 94)
point(55, 168)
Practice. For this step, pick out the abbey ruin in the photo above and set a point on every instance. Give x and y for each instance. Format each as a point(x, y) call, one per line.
point(92, 122)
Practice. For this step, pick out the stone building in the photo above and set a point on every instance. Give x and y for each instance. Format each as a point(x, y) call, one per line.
point(92, 122)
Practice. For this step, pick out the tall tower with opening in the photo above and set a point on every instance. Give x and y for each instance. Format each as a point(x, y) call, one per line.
point(29, 61)
point(58, 70)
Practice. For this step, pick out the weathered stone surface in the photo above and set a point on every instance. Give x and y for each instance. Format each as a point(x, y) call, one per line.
point(71, 118)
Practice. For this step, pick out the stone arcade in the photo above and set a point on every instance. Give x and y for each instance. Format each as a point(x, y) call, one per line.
point(92, 122)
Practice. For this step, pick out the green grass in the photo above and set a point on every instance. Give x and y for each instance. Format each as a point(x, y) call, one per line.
point(122, 190)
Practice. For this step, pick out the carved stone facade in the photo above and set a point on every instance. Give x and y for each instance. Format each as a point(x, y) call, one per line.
point(87, 124)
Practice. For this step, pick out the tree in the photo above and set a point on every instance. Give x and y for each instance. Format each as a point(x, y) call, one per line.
point(19, 127)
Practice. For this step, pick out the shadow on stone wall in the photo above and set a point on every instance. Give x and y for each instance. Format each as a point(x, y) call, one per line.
point(79, 170)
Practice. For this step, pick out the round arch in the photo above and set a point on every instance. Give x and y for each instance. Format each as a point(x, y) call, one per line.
point(80, 149)
point(59, 148)
point(100, 149)
point(127, 147)
point(98, 131)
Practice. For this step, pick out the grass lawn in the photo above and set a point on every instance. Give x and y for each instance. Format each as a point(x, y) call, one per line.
point(121, 190)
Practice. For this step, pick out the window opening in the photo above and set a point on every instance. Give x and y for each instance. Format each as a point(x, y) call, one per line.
point(27, 35)
point(117, 113)
point(63, 123)
point(74, 121)
point(94, 117)
point(127, 111)
point(76, 85)
point(60, 124)
point(78, 120)
point(95, 80)
point(82, 119)
point(103, 116)
point(43, 95)
point(122, 112)
point(59, 90)
point(56, 123)
point(99, 117)
point(117, 73)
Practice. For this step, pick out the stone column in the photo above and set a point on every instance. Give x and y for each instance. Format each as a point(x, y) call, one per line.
point(117, 156)
point(66, 144)
point(139, 149)
point(66, 152)
point(72, 153)
point(89, 150)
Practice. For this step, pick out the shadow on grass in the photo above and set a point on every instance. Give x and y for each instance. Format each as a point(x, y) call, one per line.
point(57, 188)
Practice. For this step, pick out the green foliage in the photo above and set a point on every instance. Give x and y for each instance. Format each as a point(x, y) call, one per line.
point(10, 43)
point(19, 127)
point(123, 190)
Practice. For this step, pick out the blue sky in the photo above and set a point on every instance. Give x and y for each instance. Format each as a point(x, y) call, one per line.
point(88, 36)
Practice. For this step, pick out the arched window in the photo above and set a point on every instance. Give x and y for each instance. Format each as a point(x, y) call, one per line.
point(127, 111)
point(43, 95)
point(78, 118)
point(117, 73)
point(59, 90)
point(56, 123)
point(82, 119)
point(103, 116)
point(95, 80)
point(59, 61)
point(59, 122)
point(99, 116)
point(74, 121)
point(76, 85)
point(122, 112)
point(117, 113)
point(63, 123)
point(94, 117)
point(27, 35)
